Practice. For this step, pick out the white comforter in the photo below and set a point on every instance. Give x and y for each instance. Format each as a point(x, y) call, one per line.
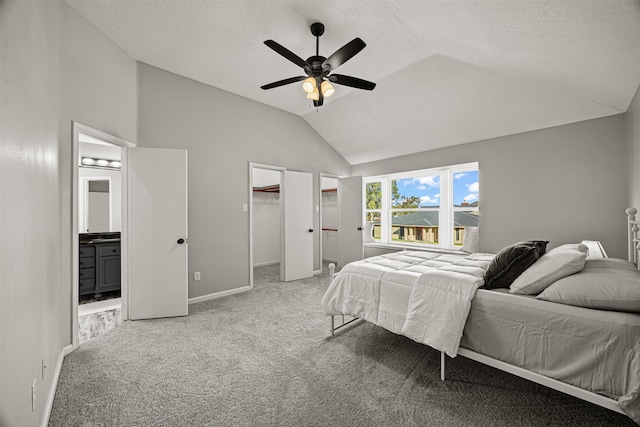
point(423, 295)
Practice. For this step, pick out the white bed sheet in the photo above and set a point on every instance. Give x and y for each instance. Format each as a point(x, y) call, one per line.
point(378, 289)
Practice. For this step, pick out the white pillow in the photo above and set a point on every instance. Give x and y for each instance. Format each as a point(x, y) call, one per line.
point(554, 265)
point(471, 241)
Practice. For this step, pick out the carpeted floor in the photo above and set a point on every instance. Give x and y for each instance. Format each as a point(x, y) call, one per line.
point(262, 358)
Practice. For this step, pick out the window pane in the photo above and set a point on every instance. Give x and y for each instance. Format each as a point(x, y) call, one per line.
point(466, 191)
point(461, 220)
point(374, 195)
point(416, 192)
point(415, 226)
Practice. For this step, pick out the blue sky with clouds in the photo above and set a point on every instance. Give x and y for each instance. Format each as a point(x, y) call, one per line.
point(465, 187)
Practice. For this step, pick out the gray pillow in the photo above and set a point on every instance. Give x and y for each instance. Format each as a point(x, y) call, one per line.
point(512, 261)
point(612, 285)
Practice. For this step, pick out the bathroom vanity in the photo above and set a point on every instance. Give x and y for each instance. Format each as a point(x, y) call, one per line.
point(99, 263)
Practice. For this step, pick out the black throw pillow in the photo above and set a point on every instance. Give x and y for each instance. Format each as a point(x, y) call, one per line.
point(512, 261)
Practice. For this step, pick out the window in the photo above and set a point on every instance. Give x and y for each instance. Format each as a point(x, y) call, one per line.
point(428, 208)
point(373, 207)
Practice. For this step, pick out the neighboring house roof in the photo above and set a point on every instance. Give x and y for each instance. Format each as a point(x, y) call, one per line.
point(465, 219)
point(430, 219)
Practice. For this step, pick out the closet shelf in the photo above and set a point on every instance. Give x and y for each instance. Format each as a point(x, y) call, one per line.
point(267, 189)
point(329, 190)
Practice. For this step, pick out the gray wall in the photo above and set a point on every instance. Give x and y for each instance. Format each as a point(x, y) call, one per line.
point(222, 133)
point(562, 184)
point(56, 67)
point(633, 135)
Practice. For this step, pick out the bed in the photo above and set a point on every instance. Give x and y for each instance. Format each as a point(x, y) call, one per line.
point(540, 327)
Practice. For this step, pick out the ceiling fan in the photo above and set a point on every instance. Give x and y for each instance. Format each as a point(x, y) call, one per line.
point(318, 68)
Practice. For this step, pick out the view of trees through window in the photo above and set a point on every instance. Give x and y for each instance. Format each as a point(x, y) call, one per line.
point(416, 208)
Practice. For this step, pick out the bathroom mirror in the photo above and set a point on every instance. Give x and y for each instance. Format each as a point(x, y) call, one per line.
point(97, 215)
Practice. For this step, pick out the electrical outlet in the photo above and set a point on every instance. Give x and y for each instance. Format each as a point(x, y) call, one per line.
point(196, 276)
point(33, 395)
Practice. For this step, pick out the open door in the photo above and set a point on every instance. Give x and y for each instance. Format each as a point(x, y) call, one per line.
point(350, 220)
point(298, 226)
point(157, 233)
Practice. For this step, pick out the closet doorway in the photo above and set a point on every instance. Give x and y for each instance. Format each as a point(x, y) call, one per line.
point(329, 220)
point(341, 219)
point(266, 223)
point(281, 229)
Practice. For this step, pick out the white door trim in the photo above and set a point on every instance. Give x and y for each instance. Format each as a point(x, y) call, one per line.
point(280, 169)
point(77, 129)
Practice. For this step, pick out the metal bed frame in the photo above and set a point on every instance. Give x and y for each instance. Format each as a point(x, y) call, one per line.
point(589, 396)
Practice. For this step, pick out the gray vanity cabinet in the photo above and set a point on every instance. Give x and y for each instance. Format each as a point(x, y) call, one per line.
point(108, 259)
point(87, 264)
point(99, 268)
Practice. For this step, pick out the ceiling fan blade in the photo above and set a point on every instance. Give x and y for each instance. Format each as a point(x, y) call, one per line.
point(287, 54)
point(341, 79)
point(283, 82)
point(345, 53)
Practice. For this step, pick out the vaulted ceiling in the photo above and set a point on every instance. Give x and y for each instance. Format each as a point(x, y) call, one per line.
point(447, 72)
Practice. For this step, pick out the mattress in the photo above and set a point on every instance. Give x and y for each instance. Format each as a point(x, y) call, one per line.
point(595, 350)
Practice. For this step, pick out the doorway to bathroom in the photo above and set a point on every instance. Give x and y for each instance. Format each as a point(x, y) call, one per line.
point(97, 296)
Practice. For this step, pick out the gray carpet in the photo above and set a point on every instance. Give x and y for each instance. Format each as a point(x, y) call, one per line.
point(263, 358)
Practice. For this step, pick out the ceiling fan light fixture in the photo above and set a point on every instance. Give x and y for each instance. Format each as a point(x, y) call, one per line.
point(327, 89)
point(309, 84)
point(315, 94)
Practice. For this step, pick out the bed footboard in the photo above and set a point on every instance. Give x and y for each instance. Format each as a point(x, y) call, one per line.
point(563, 387)
point(345, 322)
point(335, 326)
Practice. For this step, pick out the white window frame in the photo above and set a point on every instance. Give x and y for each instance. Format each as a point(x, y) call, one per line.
point(446, 210)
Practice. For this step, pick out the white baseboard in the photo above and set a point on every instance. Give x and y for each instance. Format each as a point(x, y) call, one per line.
point(54, 385)
point(262, 264)
point(219, 294)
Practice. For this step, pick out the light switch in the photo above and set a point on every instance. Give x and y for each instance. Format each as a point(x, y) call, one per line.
point(245, 207)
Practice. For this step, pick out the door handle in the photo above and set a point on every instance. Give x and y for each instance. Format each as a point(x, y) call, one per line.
point(180, 241)
point(359, 228)
point(311, 230)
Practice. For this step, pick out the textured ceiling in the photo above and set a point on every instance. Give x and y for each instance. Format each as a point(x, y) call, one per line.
point(448, 72)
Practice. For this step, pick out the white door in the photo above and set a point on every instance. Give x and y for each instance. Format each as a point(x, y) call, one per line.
point(298, 225)
point(350, 220)
point(157, 233)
